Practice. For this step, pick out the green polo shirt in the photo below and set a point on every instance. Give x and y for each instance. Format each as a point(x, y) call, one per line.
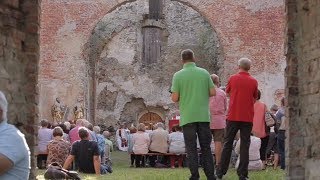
point(193, 85)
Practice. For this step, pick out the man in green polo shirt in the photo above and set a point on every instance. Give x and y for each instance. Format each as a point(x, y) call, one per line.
point(191, 87)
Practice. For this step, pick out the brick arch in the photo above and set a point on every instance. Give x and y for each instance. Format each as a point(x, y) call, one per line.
point(102, 34)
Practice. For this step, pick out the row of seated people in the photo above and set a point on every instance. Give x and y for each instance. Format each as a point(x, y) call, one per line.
point(160, 141)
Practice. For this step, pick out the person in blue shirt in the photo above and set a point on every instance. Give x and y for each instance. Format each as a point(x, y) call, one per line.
point(14, 150)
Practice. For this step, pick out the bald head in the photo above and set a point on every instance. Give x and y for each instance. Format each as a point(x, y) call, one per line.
point(244, 64)
point(215, 79)
point(3, 107)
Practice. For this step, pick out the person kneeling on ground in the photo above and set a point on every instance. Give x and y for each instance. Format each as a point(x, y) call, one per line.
point(255, 162)
point(86, 154)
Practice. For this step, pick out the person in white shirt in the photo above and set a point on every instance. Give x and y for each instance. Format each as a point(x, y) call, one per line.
point(255, 162)
point(176, 146)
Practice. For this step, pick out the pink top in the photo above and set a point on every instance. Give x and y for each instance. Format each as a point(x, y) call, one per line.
point(74, 135)
point(218, 109)
point(141, 142)
point(259, 127)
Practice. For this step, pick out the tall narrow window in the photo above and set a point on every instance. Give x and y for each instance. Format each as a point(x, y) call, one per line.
point(155, 9)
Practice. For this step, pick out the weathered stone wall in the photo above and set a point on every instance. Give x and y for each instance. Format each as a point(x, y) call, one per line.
point(250, 28)
point(117, 57)
point(303, 89)
point(19, 54)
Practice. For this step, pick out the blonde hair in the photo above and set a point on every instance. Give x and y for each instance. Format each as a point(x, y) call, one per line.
point(141, 127)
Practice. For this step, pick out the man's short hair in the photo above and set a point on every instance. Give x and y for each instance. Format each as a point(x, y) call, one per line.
point(57, 131)
point(274, 107)
point(245, 64)
point(106, 134)
point(3, 105)
point(160, 124)
point(187, 55)
point(44, 123)
point(83, 133)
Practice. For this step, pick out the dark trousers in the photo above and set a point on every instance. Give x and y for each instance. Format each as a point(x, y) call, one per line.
point(263, 148)
point(281, 148)
point(133, 157)
point(139, 161)
point(190, 132)
point(231, 131)
point(42, 161)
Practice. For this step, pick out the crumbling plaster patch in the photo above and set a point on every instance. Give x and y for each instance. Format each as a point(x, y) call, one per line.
point(120, 60)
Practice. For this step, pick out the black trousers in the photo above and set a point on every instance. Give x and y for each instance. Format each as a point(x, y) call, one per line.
point(231, 130)
point(42, 161)
point(190, 132)
point(133, 157)
point(139, 161)
point(263, 148)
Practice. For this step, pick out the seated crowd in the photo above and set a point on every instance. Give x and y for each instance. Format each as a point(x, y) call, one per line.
point(81, 148)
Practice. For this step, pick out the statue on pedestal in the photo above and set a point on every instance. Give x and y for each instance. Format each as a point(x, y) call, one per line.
point(78, 110)
point(58, 111)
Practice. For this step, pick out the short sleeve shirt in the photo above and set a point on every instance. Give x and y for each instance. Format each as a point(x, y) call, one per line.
point(218, 109)
point(84, 151)
point(14, 146)
point(58, 151)
point(243, 90)
point(193, 85)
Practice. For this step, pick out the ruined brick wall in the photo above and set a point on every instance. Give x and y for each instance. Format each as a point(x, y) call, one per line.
point(250, 28)
point(19, 54)
point(303, 89)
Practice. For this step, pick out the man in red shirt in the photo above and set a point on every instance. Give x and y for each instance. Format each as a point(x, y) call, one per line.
point(243, 90)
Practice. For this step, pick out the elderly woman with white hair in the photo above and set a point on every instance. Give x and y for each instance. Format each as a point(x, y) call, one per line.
point(159, 139)
point(14, 150)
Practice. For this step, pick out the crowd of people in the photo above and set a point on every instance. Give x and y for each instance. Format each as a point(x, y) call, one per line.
point(233, 120)
point(79, 146)
point(206, 113)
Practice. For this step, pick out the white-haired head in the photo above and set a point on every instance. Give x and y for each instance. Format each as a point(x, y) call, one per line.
point(96, 129)
point(3, 107)
point(67, 124)
point(160, 125)
point(244, 64)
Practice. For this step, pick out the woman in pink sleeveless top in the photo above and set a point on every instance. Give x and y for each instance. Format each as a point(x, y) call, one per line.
point(259, 128)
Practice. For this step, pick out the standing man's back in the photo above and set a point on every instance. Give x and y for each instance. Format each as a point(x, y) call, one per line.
point(191, 87)
point(243, 91)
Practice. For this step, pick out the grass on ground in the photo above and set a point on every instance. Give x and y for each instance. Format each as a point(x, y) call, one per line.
point(122, 171)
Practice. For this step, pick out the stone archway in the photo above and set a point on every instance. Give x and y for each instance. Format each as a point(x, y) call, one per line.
point(115, 56)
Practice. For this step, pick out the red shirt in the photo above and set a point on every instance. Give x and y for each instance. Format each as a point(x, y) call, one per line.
point(243, 90)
